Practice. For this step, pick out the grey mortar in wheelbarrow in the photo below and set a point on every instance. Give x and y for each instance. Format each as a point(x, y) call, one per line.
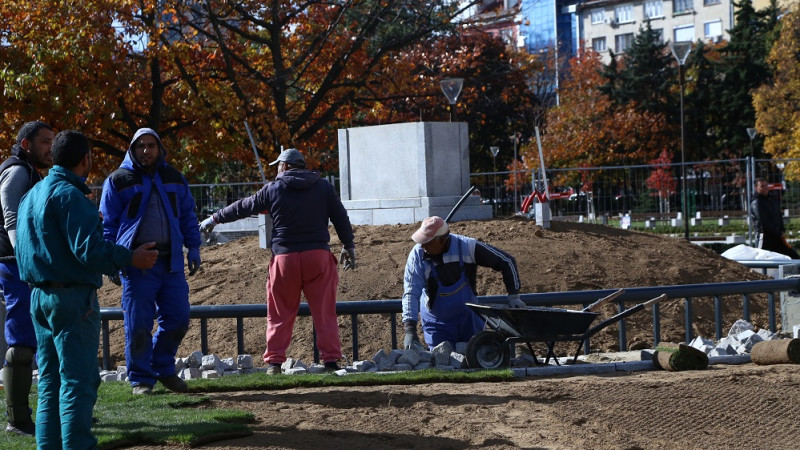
point(490, 349)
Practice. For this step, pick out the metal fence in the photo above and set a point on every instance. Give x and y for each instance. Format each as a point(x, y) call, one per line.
point(713, 188)
point(689, 293)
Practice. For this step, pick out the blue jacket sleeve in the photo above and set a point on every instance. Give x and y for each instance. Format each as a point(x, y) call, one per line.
point(111, 209)
point(414, 279)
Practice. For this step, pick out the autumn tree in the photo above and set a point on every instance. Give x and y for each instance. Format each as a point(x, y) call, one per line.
point(103, 67)
point(497, 99)
point(661, 181)
point(297, 71)
point(777, 105)
point(587, 129)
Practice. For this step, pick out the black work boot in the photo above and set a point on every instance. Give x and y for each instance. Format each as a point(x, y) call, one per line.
point(22, 428)
point(174, 383)
point(331, 366)
point(17, 374)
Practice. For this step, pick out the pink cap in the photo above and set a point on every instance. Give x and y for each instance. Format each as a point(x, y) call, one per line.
point(431, 227)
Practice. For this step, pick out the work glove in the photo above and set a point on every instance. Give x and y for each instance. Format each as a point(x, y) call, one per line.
point(515, 302)
point(207, 225)
point(411, 340)
point(348, 258)
point(115, 279)
point(193, 260)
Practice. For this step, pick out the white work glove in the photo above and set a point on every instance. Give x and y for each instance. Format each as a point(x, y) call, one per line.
point(208, 224)
point(515, 302)
point(348, 258)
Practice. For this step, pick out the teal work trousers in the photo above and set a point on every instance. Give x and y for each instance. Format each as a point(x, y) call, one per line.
point(67, 325)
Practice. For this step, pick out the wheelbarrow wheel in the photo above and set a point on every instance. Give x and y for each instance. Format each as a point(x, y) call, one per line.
point(488, 350)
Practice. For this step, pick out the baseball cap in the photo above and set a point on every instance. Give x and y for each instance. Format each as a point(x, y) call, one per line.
point(290, 156)
point(431, 227)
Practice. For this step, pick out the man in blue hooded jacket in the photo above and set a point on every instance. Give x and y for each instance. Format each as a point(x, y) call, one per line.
point(147, 200)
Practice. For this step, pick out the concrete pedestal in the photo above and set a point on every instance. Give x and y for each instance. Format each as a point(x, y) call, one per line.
point(790, 300)
point(403, 173)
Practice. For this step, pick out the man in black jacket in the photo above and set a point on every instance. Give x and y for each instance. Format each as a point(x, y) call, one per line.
point(765, 211)
point(30, 155)
point(301, 203)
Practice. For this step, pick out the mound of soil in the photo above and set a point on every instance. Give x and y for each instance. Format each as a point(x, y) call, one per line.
point(567, 256)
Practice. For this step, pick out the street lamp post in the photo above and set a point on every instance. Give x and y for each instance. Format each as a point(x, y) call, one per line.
point(751, 133)
point(495, 150)
point(451, 87)
point(681, 50)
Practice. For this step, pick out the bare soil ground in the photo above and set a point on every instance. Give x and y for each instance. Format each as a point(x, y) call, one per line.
point(723, 407)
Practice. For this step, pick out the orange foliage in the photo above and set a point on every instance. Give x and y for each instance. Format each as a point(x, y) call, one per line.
point(587, 130)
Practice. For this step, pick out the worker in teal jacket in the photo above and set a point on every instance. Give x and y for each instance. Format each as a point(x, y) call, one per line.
point(61, 253)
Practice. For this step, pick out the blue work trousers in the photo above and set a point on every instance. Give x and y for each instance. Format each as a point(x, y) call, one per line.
point(17, 294)
point(67, 325)
point(147, 295)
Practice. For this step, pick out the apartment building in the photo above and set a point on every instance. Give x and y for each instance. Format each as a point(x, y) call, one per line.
point(610, 25)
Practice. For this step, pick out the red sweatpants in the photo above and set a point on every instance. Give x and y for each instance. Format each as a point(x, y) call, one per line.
point(314, 273)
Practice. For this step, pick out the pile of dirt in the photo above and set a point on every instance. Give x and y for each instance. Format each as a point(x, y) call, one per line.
point(567, 256)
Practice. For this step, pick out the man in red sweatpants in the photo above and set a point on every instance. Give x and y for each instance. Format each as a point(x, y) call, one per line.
point(300, 204)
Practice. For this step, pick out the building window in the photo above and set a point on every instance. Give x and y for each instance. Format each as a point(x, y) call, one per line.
point(653, 9)
point(598, 16)
point(599, 44)
point(624, 13)
point(711, 2)
point(680, 6)
point(712, 29)
point(684, 33)
point(660, 33)
point(623, 41)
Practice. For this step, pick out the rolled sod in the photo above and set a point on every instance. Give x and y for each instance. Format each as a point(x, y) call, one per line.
point(780, 351)
point(679, 357)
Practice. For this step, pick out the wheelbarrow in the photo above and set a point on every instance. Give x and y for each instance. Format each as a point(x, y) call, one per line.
point(490, 349)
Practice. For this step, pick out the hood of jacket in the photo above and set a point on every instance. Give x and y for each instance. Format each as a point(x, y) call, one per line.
point(299, 178)
point(131, 162)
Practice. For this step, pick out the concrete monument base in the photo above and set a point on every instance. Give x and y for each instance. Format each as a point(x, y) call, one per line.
point(405, 172)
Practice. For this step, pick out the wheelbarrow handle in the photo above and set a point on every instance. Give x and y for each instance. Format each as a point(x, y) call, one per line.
point(458, 205)
point(653, 301)
point(596, 305)
point(621, 315)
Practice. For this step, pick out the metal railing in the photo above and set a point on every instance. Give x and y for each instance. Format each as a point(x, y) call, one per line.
point(581, 298)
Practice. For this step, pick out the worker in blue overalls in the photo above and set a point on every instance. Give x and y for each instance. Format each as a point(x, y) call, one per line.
point(147, 200)
point(440, 279)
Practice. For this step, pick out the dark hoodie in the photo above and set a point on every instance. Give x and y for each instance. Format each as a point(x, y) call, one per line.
point(300, 203)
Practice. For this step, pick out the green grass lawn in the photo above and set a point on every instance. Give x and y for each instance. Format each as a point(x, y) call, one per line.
point(182, 420)
point(124, 419)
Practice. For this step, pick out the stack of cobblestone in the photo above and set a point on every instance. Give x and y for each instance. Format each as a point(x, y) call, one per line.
point(740, 340)
point(199, 366)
